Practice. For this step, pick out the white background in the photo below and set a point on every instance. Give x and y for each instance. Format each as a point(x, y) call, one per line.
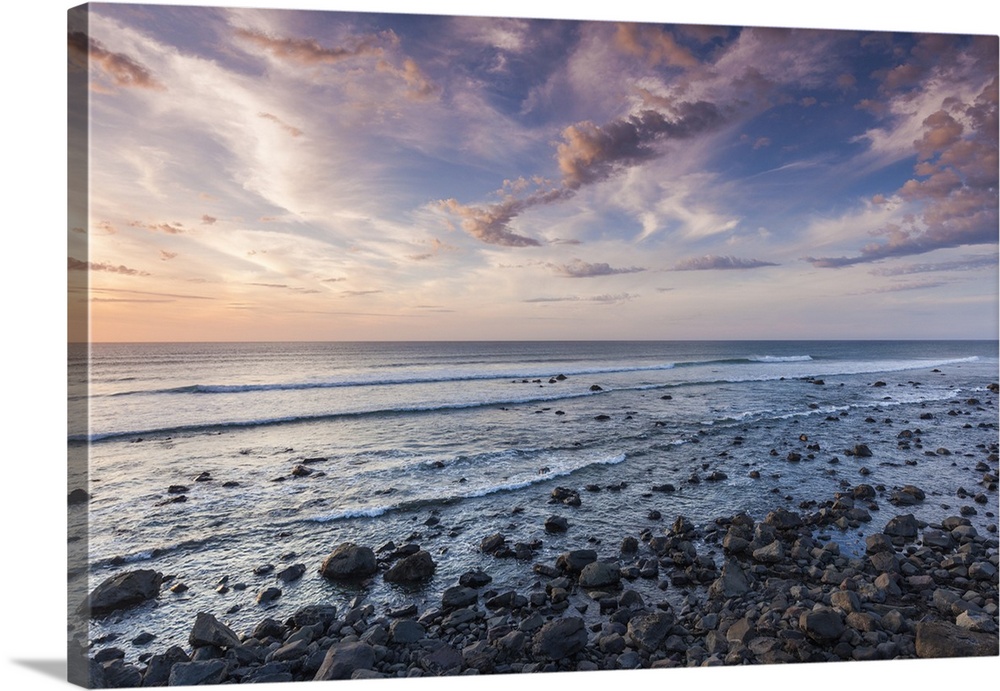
point(32, 596)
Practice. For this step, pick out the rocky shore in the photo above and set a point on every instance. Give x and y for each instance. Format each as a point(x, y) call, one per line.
point(753, 592)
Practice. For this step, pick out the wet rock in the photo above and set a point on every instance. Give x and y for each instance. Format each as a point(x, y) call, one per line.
point(648, 631)
point(416, 567)
point(342, 659)
point(560, 638)
point(575, 560)
point(474, 579)
point(943, 639)
point(208, 630)
point(556, 524)
point(349, 562)
point(405, 631)
point(292, 573)
point(458, 596)
point(268, 596)
point(733, 581)
point(904, 527)
point(822, 624)
point(122, 591)
point(197, 673)
point(492, 544)
point(599, 574)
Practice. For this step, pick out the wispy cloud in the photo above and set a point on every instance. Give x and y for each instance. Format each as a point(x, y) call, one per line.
point(711, 262)
point(607, 299)
point(582, 269)
point(80, 265)
point(969, 264)
point(119, 68)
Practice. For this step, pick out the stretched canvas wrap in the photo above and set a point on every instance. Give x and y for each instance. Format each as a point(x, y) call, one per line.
point(413, 345)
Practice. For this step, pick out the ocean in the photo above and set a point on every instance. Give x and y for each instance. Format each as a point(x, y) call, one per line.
point(282, 451)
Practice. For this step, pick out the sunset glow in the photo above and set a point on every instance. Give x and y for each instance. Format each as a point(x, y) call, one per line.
point(285, 175)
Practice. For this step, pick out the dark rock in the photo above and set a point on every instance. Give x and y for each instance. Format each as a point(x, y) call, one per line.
point(78, 496)
point(822, 624)
point(445, 660)
point(349, 562)
point(862, 451)
point(268, 596)
point(158, 667)
point(556, 524)
point(458, 596)
point(599, 574)
point(311, 615)
point(647, 631)
point(904, 526)
point(944, 639)
point(292, 573)
point(475, 579)
point(492, 543)
point(732, 582)
point(342, 659)
point(405, 631)
point(416, 567)
point(197, 673)
point(560, 638)
point(208, 630)
point(575, 560)
point(124, 590)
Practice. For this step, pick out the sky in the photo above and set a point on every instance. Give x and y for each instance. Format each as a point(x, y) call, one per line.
point(303, 175)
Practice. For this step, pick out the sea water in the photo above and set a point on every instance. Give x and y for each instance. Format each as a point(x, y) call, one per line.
point(443, 444)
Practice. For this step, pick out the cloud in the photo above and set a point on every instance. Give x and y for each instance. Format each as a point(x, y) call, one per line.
point(655, 45)
point(588, 154)
point(308, 51)
point(357, 293)
point(293, 131)
point(174, 228)
point(952, 198)
point(122, 70)
point(165, 255)
point(967, 264)
point(712, 261)
point(900, 287)
point(208, 220)
point(147, 292)
point(607, 299)
point(581, 269)
point(80, 265)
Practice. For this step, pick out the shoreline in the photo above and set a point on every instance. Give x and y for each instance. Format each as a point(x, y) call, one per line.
point(743, 591)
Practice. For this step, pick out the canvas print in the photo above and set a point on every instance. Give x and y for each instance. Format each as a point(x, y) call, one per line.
point(408, 345)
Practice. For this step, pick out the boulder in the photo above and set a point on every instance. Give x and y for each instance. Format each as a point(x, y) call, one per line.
point(492, 543)
point(416, 567)
point(124, 590)
point(349, 562)
point(556, 524)
point(732, 582)
point(342, 659)
point(822, 624)
point(475, 579)
point(904, 526)
point(647, 631)
point(575, 560)
point(406, 631)
point(458, 596)
point(208, 630)
point(944, 639)
point(560, 638)
point(197, 673)
point(292, 573)
point(599, 574)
